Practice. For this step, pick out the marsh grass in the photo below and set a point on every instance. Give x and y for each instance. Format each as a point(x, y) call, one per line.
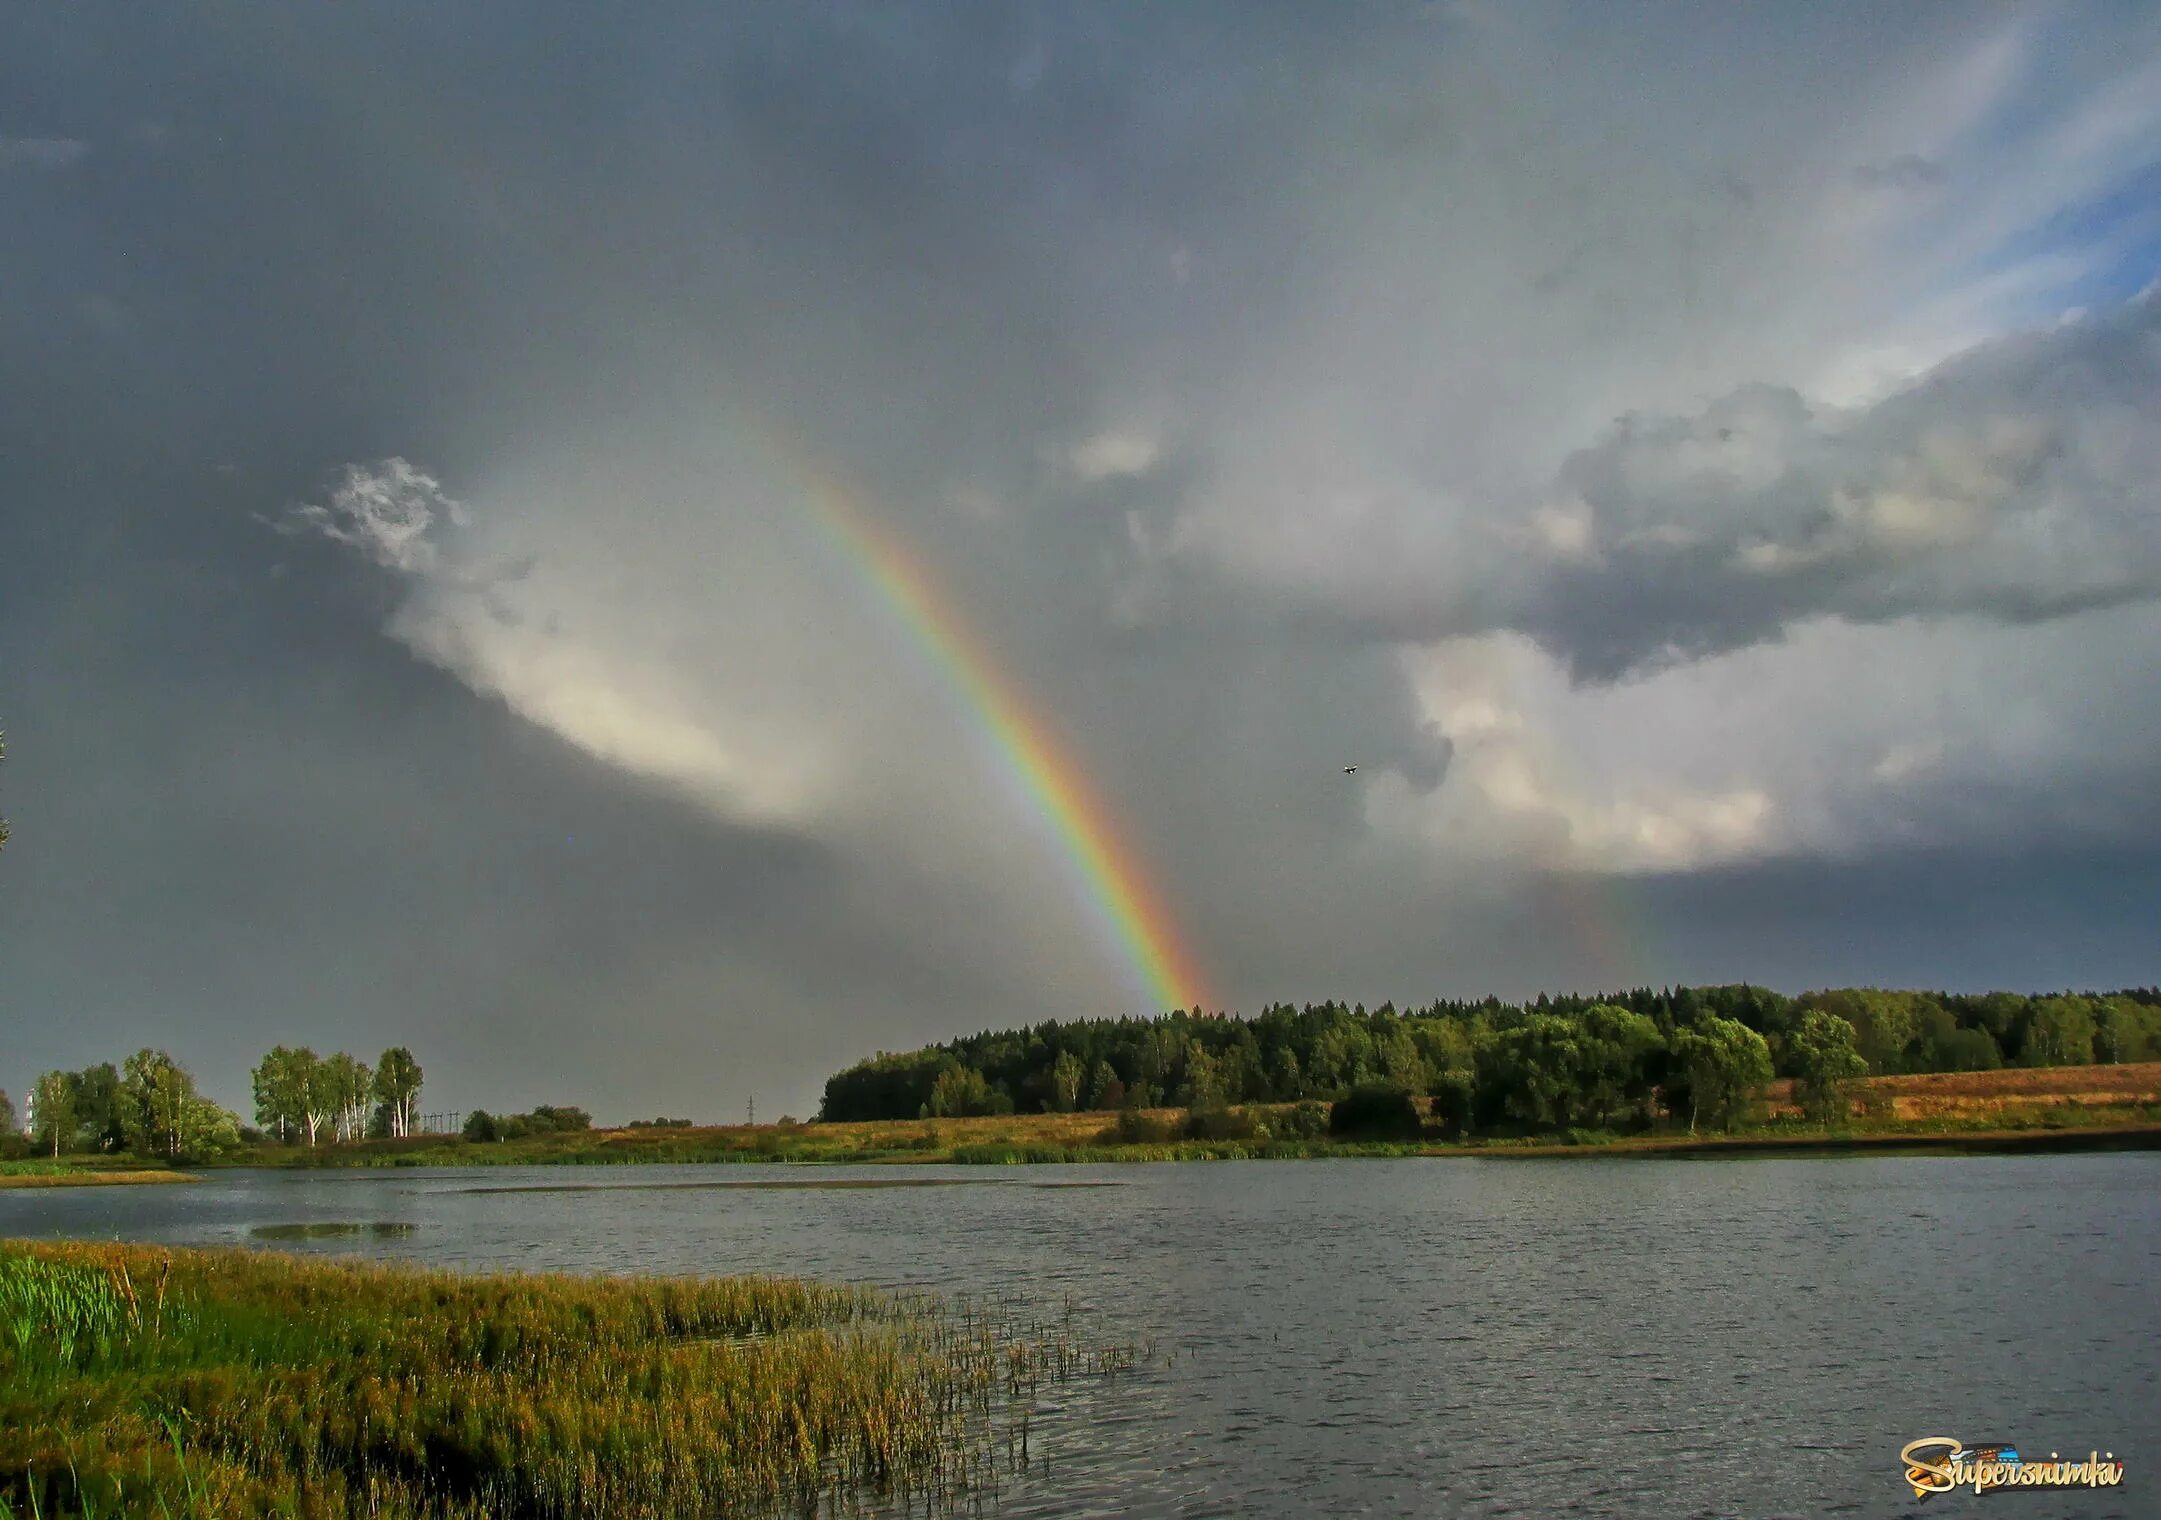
point(147, 1383)
point(73, 1166)
point(81, 1171)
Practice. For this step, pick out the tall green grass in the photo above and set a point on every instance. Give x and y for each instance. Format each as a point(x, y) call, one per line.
point(145, 1383)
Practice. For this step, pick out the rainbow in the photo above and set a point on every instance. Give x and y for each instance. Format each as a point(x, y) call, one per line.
point(1107, 871)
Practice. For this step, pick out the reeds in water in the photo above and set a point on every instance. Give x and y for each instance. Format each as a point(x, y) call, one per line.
point(140, 1382)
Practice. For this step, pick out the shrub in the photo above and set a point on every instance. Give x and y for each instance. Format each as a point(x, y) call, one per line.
point(1376, 1113)
point(547, 1118)
point(1301, 1121)
point(1137, 1128)
point(1221, 1124)
point(1453, 1095)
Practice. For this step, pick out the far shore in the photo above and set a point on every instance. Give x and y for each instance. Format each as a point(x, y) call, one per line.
point(1013, 1149)
point(1040, 1139)
point(2024, 1111)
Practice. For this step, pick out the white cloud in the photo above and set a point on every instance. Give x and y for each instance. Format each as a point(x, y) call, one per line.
point(504, 636)
point(1566, 531)
point(2013, 482)
point(1838, 742)
point(384, 511)
point(1519, 788)
point(1114, 453)
point(621, 712)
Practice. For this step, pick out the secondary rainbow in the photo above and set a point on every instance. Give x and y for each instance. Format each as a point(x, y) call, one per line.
point(1107, 870)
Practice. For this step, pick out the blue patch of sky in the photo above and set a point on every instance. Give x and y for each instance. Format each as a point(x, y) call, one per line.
point(2107, 245)
point(2113, 239)
point(2109, 242)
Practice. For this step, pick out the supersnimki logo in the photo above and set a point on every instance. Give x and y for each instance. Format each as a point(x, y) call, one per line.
point(1938, 1464)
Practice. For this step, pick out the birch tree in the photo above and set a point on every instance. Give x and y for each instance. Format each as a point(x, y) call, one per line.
point(397, 1088)
point(52, 1111)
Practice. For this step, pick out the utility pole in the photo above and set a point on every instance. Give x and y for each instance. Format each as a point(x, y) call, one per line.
point(752, 1119)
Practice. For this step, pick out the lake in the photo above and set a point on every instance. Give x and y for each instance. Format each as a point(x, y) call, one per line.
point(1433, 1337)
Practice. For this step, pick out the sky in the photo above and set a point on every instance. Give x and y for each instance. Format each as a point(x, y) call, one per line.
point(649, 559)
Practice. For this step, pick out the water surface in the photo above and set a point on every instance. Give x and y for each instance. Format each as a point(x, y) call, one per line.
point(1433, 1337)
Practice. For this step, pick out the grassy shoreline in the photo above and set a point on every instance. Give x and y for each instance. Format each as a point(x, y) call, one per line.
point(142, 1381)
point(86, 1172)
point(1053, 1138)
point(91, 1179)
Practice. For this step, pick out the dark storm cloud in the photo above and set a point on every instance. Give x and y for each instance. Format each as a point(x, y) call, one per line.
point(244, 816)
point(41, 152)
point(1188, 349)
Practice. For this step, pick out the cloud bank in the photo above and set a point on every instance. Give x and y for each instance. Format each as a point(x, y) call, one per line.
point(2013, 482)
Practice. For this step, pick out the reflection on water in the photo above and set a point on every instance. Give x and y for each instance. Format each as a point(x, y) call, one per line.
point(1431, 1337)
point(856, 1182)
point(331, 1229)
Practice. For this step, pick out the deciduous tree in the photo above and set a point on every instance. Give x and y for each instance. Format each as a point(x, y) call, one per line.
point(2125, 1031)
point(2060, 1033)
point(281, 1091)
point(1065, 1082)
point(1726, 1066)
point(959, 1093)
point(1825, 1066)
point(345, 1083)
point(165, 1116)
point(397, 1088)
point(99, 1107)
point(52, 1112)
point(1620, 1051)
point(1105, 1091)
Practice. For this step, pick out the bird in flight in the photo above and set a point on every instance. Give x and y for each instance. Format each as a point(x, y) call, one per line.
point(1350, 770)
